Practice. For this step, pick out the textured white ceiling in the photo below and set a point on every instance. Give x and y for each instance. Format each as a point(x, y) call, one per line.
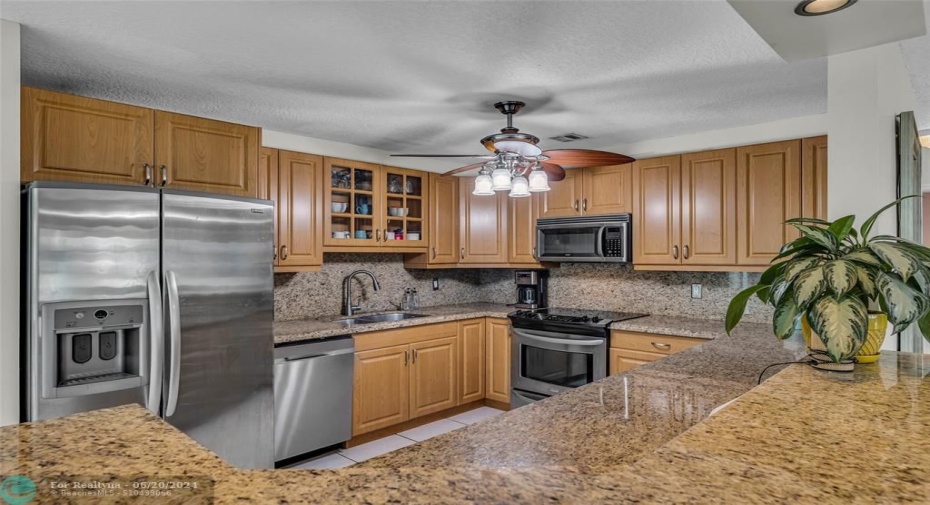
point(421, 76)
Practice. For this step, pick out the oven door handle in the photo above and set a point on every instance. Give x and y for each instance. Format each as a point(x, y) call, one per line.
point(562, 341)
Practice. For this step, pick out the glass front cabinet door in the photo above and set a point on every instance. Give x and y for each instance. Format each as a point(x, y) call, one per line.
point(352, 203)
point(403, 207)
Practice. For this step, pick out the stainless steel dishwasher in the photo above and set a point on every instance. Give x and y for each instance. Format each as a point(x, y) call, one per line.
point(313, 395)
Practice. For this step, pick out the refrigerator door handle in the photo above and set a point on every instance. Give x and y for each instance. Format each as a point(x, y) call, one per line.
point(174, 322)
point(157, 341)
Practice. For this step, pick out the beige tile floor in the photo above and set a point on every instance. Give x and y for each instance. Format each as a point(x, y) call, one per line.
point(348, 457)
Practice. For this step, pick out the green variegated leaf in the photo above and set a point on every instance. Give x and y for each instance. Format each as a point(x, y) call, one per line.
point(841, 324)
point(819, 236)
point(863, 255)
point(867, 225)
point(786, 315)
point(808, 286)
point(924, 324)
point(738, 306)
point(897, 257)
point(773, 272)
point(904, 304)
point(797, 266)
point(840, 275)
point(779, 288)
point(841, 227)
point(866, 280)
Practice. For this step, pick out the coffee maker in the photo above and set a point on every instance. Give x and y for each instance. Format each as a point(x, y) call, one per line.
point(531, 289)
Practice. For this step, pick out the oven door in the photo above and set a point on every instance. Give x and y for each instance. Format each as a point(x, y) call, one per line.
point(549, 363)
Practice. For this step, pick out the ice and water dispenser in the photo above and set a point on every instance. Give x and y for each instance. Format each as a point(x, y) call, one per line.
point(93, 347)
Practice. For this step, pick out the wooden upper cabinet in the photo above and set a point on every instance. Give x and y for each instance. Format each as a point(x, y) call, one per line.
point(657, 211)
point(433, 376)
point(564, 197)
point(200, 154)
point(708, 208)
point(444, 220)
point(483, 238)
point(607, 190)
point(300, 220)
point(814, 177)
point(769, 188)
point(268, 186)
point(71, 138)
point(472, 358)
point(523, 213)
point(381, 388)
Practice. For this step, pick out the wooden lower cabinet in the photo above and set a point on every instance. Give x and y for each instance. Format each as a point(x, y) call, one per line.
point(381, 388)
point(472, 354)
point(498, 360)
point(433, 376)
point(629, 350)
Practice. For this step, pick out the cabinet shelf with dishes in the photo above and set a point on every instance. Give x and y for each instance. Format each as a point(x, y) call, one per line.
point(373, 208)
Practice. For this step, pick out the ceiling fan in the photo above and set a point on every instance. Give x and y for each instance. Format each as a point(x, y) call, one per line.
point(518, 165)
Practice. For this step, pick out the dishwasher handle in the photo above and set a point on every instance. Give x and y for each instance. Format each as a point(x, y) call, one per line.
point(289, 359)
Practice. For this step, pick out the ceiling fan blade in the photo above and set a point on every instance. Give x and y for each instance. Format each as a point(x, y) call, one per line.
point(555, 172)
point(481, 156)
point(464, 169)
point(579, 158)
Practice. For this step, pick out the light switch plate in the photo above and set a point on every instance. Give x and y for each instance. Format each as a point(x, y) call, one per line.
point(696, 290)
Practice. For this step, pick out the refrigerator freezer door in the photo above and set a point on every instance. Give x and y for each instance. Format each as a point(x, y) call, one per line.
point(83, 244)
point(217, 261)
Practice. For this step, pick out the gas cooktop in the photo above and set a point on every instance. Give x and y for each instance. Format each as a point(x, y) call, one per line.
point(581, 317)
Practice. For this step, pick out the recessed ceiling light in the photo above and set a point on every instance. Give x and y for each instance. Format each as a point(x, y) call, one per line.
point(821, 7)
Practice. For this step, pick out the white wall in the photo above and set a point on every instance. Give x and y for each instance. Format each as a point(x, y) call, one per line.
point(784, 129)
point(9, 222)
point(299, 143)
point(867, 89)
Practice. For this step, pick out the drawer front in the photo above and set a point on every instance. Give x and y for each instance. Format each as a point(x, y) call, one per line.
point(647, 342)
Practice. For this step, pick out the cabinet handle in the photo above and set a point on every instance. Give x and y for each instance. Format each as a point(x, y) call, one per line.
point(274, 251)
point(148, 173)
point(675, 252)
point(164, 174)
point(660, 345)
point(378, 235)
point(534, 254)
point(434, 253)
point(584, 204)
point(284, 252)
point(462, 253)
point(415, 356)
point(576, 205)
point(406, 357)
point(687, 251)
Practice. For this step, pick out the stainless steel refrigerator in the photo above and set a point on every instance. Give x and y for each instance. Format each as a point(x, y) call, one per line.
point(157, 297)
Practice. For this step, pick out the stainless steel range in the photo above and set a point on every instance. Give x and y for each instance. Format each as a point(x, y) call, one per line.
point(555, 350)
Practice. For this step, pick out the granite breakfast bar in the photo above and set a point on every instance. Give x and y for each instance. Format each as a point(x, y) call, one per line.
point(643, 436)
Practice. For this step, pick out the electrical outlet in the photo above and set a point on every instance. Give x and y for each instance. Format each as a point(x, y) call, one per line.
point(696, 290)
point(435, 284)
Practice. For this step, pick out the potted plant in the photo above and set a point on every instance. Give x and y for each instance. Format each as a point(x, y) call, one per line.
point(846, 284)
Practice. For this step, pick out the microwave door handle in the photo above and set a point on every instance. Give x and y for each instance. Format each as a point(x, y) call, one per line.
point(156, 342)
point(599, 242)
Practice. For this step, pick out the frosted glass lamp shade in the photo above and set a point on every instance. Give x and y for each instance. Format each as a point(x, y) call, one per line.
point(501, 179)
point(483, 185)
point(520, 187)
point(539, 181)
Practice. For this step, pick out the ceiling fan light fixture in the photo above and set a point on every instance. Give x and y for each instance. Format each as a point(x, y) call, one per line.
point(520, 187)
point(518, 147)
point(538, 181)
point(483, 184)
point(821, 7)
point(500, 179)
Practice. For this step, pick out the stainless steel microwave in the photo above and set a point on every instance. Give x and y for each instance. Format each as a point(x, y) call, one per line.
point(593, 239)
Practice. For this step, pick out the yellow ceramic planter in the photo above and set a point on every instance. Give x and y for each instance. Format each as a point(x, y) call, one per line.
point(870, 351)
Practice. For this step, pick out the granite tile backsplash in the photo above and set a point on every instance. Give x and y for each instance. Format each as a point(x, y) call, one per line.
point(595, 286)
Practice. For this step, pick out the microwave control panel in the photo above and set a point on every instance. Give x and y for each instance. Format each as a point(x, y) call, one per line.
point(613, 242)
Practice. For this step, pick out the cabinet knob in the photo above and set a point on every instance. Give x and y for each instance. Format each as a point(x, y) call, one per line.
point(284, 252)
point(687, 252)
point(148, 174)
point(675, 252)
point(164, 174)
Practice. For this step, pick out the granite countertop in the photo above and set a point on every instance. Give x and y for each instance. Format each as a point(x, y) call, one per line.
point(327, 326)
point(802, 436)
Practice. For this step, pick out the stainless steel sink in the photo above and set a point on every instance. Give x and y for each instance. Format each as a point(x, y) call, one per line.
point(379, 318)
